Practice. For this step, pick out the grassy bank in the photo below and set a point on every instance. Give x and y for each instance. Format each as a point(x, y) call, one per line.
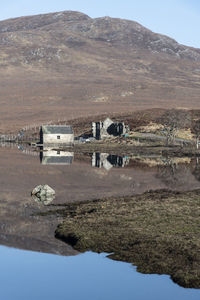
point(125, 149)
point(159, 232)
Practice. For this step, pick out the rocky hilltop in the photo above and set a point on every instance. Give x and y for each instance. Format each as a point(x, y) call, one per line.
point(67, 64)
point(64, 27)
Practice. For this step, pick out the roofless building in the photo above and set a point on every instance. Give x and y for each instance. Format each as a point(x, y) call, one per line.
point(101, 130)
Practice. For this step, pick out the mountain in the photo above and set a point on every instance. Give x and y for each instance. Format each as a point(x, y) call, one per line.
point(66, 64)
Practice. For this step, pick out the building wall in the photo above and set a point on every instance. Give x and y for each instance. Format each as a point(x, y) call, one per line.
point(108, 128)
point(67, 139)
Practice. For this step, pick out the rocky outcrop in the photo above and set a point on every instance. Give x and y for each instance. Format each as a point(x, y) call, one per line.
point(114, 31)
point(40, 21)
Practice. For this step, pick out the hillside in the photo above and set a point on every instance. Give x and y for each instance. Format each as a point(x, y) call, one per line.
point(66, 65)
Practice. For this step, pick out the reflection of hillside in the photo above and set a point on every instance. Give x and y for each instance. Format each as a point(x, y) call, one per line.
point(20, 229)
point(151, 162)
point(196, 171)
point(82, 158)
point(174, 175)
point(173, 172)
point(20, 173)
point(48, 245)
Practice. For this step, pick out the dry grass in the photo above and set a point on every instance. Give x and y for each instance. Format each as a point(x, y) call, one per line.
point(151, 128)
point(157, 231)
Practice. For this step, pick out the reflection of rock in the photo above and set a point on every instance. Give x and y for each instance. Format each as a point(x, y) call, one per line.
point(43, 194)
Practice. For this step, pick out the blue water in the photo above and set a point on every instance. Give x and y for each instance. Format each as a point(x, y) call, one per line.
point(27, 275)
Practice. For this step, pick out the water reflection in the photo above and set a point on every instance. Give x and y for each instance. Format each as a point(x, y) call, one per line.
point(107, 161)
point(175, 172)
point(50, 277)
point(196, 171)
point(156, 171)
point(48, 156)
point(74, 180)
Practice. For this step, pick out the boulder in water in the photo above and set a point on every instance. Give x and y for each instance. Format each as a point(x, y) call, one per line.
point(43, 194)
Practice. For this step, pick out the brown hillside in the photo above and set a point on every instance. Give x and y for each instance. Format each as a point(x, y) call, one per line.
point(66, 65)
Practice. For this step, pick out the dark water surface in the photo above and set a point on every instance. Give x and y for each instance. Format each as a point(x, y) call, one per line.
point(77, 177)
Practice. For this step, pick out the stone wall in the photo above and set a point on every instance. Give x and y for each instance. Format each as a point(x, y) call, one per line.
point(57, 139)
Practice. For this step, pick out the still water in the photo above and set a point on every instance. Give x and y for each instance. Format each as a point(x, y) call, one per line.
point(31, 275)
point(51, 269)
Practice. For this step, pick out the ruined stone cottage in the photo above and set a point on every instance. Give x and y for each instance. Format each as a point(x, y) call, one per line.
point(57, 135)
point(108, 128)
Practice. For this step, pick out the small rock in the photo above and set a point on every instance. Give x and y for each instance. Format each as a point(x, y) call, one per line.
point(43, 194)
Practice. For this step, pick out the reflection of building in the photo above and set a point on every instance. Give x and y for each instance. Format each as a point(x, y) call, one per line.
point(56, 135)
point(53, 157)
point(107, 161)
point(108, 127)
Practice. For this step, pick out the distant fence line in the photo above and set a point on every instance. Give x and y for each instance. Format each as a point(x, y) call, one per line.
point(7, 145)
point(35, 127)
point(30, 129)
point(7, 138)
point(16, 138)
point(23, 148)
point(30, 153)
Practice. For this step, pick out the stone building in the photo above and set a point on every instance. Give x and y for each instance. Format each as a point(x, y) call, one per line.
point(57, 135)
point(108, 128)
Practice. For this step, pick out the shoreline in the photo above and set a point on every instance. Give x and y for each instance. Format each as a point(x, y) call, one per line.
point(148, 230)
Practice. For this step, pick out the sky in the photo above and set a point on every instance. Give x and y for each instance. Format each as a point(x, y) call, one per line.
point(179, 19)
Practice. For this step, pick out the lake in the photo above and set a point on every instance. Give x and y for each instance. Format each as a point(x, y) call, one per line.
point(35, 265)
point(31, 275)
